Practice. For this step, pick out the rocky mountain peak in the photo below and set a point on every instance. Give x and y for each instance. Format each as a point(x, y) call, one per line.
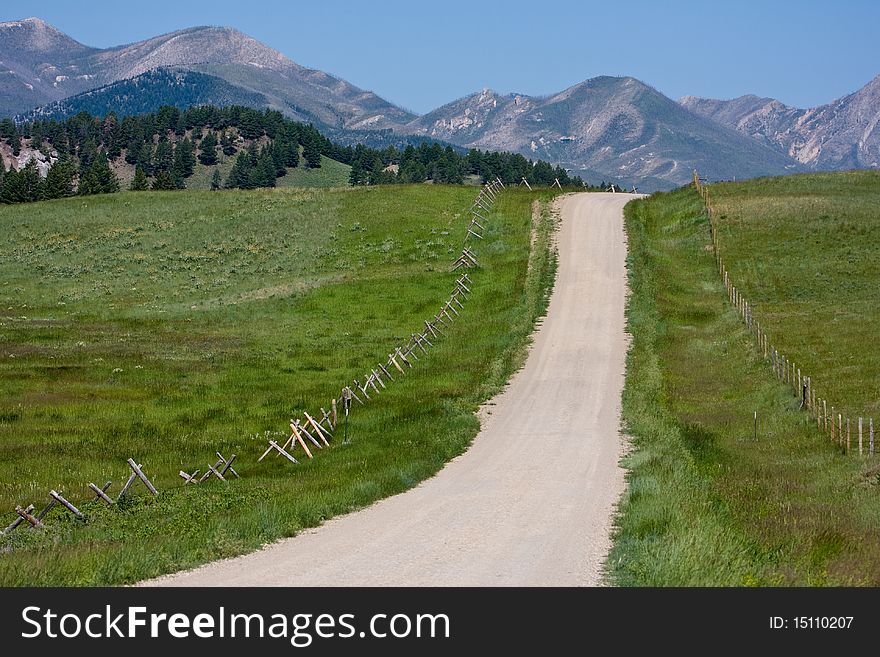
point(36, 36)
point(844, 133)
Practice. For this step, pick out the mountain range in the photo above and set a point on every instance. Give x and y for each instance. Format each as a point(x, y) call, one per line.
point(612, 128)
point(43, 65)
point(840, 135)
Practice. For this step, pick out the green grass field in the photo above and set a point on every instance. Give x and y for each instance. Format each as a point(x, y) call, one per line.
point(802, 249)
point(166, 325)
point(711, 501)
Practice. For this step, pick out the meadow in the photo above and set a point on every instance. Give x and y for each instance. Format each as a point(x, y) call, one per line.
point(165, 326)
point(802, 249)
point(715, 498)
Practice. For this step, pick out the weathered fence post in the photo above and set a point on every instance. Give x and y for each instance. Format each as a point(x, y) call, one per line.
point(189, 478)
point(47, 508)
point(127, 485)
point(15, 523)
point(282, 452)
point(67, 505)
point(140, 474)
point(216, 473)
point(35, 522)
point(101, 493)
point(294, 427)
point(321, 431)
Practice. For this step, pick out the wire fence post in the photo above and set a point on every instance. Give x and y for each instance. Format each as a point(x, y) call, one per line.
point(346, 405)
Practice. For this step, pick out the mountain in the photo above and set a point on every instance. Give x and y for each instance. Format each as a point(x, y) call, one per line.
point(605, 127)
point(843, 134)
point(147, 93)
point(183, 88)
point(41, 65)
point(38, 64)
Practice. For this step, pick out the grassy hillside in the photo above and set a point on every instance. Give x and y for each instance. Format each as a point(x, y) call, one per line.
point(803, 249)
point(330, 174)
point(166, 325)
point(711, 499)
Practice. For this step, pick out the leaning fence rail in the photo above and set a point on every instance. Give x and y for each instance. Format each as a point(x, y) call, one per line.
point(317, 428)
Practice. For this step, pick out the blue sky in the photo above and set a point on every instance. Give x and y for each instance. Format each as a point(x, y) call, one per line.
point(421, 55)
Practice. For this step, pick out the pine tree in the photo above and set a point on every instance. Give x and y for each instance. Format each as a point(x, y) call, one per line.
point(312, 150)
point(30, 182)
point(180, 125)
point(163, 159)
point(412, 172)
point(227, 143)
point(88, 153)
point(163, 181)
point(357, 175)
point(145, 158)
point(10, 192)
point(9, 132)
point(278, 157)
point(239, 175)
point(184, 160)
point(133, 151)
point(287, 145)
point(208, 149)
point(376, 171)
point(87, 184)
point(24, 185)
point(59, 180)
point(263, 174)
point(215, 180)
point(253, 153)
point(98, 178)
point(250, 124)
point(139, 183)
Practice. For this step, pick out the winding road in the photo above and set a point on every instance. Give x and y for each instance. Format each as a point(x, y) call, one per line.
point(531, 502)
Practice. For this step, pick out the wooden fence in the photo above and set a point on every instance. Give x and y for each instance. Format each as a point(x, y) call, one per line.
point(314, 431)
point(848, 433)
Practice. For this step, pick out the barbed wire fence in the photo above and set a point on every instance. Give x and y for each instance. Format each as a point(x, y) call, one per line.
point(847, 433)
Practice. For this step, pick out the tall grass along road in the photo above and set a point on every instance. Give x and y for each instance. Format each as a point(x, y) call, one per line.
point(531, 502)
point(716, 498)
point(166, 326)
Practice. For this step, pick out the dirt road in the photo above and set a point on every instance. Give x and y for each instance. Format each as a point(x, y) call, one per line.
point(530, 503)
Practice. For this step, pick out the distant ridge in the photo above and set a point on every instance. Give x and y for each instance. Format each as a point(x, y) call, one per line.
point(843, 134)
point(43, 65)
point(613, 128)
point(147, 93)
point(605, 127)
